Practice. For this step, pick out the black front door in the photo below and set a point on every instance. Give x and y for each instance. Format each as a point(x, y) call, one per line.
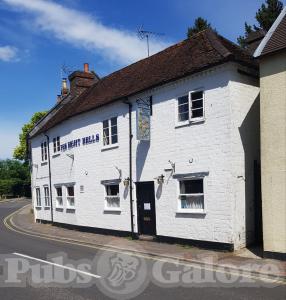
point(146, 207)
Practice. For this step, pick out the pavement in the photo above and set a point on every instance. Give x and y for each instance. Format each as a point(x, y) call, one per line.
point(41, 261)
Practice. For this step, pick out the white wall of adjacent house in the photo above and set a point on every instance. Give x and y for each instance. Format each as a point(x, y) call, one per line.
point(214, 146)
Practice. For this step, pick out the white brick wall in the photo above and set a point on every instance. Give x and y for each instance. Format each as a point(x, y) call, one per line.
point(214, 145)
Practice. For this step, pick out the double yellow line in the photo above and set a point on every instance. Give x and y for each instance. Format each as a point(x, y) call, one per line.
point(113, 249)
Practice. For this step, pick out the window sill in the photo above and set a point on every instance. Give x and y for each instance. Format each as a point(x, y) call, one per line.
point(190, 122)
point(56, 155)
point(69, 207)
point(191, 211)
point(44, 163)
point(38, 207)
point(109, 147)
point(112, 209)
point(197, 120)
point(47, 207)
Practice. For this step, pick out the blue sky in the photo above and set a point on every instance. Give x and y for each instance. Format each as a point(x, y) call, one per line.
point(38, 36)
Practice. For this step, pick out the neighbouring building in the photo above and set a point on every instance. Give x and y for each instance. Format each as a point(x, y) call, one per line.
point(165, 147)
point(272, 57)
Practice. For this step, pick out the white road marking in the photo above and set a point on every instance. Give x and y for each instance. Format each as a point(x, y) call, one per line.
point(57, 265)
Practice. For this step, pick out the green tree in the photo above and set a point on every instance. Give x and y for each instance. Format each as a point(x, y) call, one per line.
point(14, 178)
point(199, 25)
point(265, 16)
point(242, 39)
point(20, 152)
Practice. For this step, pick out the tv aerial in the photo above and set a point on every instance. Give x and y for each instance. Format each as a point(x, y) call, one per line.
point(144, 34)
point(65, 70)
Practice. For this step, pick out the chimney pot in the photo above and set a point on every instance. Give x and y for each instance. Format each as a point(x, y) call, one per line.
point(86, 68)
point(65, 89)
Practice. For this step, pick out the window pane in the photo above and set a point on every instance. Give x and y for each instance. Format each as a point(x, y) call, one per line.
point(183, 108)
point(105, 124)
point(113, 202)
point(112, 190)
point(114, 139)
point(55, 144)
point(113, 121)
point(59, 191)
point(58, 144)
point(42, 150)
point(192, 202)
point(71, 201)
point(197, 95)
point(106, 136)
point(113, 130)
point(183, 100)
point(38, 197)
point(197, 104)
point(70, 190)
point(197, 113)
point(191, 186)
point(184, 117)
point(46, 191)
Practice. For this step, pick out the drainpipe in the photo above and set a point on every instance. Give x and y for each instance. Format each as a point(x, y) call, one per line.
point(50, 178)
point(130, 168)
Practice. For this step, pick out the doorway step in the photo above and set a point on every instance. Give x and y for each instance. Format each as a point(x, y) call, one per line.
point(144, 237)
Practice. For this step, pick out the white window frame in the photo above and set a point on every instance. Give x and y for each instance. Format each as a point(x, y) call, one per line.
point(69, 198)
point(192, 210)
point(56, 144)
point(44, 151)
point(190, 119)
point(106, 197)
point(59, 197)
point(110, 144)
point(47, 196)
point(38, 199)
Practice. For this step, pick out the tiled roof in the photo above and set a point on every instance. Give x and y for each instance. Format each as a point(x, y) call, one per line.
point(275, 39)
point(202, 51)
point(278, 39)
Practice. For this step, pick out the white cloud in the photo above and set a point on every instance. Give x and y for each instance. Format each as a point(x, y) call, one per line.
point(80, 29)
point(8, 53)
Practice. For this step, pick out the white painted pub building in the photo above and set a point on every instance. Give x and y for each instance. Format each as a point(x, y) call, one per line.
point(165, 147)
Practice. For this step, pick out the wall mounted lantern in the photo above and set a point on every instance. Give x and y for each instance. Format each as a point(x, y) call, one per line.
point(160, 179)
point(126, 181)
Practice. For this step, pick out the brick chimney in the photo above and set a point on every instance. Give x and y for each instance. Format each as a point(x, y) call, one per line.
point(81, 80)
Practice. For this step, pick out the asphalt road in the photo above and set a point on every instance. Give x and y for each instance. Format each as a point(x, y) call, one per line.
point(34, 268)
